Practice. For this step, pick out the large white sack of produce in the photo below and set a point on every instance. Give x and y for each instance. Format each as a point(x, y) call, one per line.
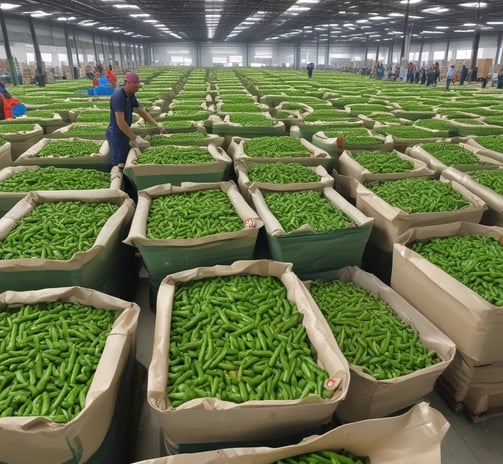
point(211, 419)
point(414, 437)
point(26, 439)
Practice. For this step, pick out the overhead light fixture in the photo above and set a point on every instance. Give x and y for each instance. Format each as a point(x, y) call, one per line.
point(66, 18)
point(464, 30)
point(474, 4)
point(39, 14)
point(411, 2)
point(139, 15)
point(494, 23)
point(126, 7)
point(8, 6)
point(435, 9)
point(441, 27)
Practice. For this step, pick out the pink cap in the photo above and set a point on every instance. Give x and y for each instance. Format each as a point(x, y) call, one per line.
point(132, 77)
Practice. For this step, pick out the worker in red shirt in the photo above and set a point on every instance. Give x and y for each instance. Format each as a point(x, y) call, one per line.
point(111, 76)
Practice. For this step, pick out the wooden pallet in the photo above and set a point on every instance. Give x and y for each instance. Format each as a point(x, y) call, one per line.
point(448, 393)
point(477, 418)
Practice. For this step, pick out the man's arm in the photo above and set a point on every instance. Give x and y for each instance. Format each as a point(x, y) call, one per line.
point(123, 125)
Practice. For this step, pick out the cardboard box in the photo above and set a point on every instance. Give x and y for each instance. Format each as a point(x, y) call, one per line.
point(98, 160)
point(243, 166)
point(470, 321)
point(349, 173)
point(147, 175)
point(317, 157)
point(166, 256)
point(310, 251)
point(414, 437)
point(390, 221)
point(369, 398)
point(207, 420)
point(95, 268)
point(9, 199)
point(418, 152)
point(52, 442)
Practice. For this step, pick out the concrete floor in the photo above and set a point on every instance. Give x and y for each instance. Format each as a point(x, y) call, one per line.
point(464, 443)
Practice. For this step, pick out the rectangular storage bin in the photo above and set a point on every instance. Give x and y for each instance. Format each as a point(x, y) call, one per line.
point(206, 420)
point(84, 438)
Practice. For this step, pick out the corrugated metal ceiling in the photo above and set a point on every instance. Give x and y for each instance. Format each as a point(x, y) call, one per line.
point(258, 20)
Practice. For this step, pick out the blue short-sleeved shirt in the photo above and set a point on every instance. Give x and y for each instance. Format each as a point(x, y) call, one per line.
point(118, 141)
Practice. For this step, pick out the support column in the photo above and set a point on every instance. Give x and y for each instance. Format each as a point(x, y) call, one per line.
point(8, 53)
point(420, 59)
point(68, 50)
point(475, 52)
point(327, 50)
point(404, 53)
point(499, 40)
point(40, 78)
point(96, 57)
point(447, 52)
point(121, 55)
point(297, 56)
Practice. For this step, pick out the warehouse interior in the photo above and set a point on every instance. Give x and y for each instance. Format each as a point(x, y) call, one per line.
point(48, 43)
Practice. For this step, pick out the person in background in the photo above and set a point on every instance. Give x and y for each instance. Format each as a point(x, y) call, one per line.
point(310, 69)
point(410, 72)
point(463, 75)
point(112, 77)
point(437, 72)
point(431, 78)
point(96, 79)
point(422, 75)
point(119, 134)
point(9, 107)
point(380, 71)
point(449, 77)
point(500, 79)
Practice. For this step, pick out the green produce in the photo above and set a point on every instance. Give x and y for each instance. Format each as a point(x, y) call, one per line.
point(354, 136)
point(170, 154)
point(295, 209)
point(406, 132)
point(93, 116)
point(69, 148)
point(240, 108)
point(368, 331)
point(189, 138)
point(239, 338)
point(251, 119)
point(192, 215)
point(490, 178)
point(419, 195)
point(49, 353)
point(282, 146)
point(55, 178)
point(436, 124)
point(56, 230)
point(10, 127)
point(451, 154)
point(491, 142)
point(198, 115)
point(282, 173)
point(86, 129)
point(366, 108)
point(324, 457)
point(474, 260)
point(378, 162)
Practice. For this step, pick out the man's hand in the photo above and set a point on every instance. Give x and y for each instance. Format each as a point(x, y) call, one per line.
point(139, 142)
